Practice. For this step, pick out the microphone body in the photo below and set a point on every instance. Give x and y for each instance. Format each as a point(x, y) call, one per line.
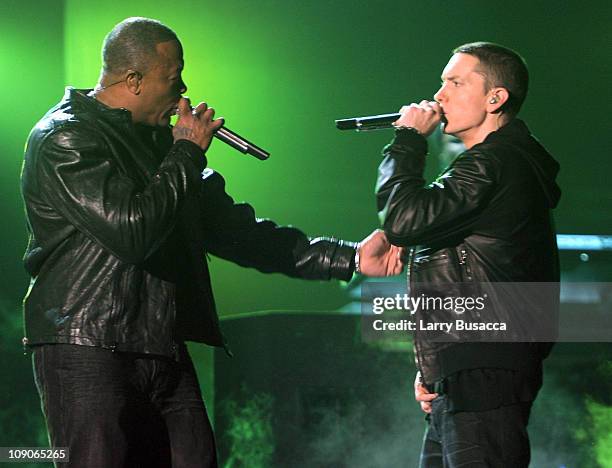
point(237, 142)
point(241, 144)
point(371, 122)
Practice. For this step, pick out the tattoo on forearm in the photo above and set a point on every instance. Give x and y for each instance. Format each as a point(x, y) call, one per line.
point(182, 133)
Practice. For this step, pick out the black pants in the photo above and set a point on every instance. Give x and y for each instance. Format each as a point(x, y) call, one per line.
point(493, 439)
point(123, 410)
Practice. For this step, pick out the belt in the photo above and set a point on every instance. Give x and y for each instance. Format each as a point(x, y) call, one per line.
point(438, 387)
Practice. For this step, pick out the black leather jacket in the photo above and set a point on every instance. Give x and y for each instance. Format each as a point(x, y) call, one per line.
point(120, 219)
point(486, 219)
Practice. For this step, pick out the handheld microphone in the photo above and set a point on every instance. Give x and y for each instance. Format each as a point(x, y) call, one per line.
point(241, 144)
point(237, 142)
point(371, 122)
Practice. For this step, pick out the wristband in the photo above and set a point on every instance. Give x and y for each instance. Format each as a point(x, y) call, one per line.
point(411, 129)
point(357, 267)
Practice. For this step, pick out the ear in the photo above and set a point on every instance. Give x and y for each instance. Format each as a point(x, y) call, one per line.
point(133, 81)
point(496, 98)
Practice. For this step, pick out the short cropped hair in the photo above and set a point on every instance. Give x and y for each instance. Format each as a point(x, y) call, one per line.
point(502, 67)
point(131, 44)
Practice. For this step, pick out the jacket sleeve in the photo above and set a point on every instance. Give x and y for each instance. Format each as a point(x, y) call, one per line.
point(84, 184)
point(234, 233)
point(412, 213)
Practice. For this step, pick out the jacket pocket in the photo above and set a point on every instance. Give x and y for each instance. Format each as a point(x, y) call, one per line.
point(436, 268)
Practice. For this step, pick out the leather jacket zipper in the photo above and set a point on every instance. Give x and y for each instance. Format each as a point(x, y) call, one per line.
point(462, 257)
point(115, 314)
point(415, 345)
point(411, 253)
point(428, 258)
point(466, 271)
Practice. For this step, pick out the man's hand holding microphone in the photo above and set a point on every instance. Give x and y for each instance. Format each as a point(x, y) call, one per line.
point(196, 125)
point(423, 117)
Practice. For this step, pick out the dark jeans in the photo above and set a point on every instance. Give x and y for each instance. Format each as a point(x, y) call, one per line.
point(123, 410)
point(476, 439)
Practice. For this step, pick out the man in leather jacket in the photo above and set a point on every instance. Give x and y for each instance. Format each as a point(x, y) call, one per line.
point(486, 219)
point(121, 211)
